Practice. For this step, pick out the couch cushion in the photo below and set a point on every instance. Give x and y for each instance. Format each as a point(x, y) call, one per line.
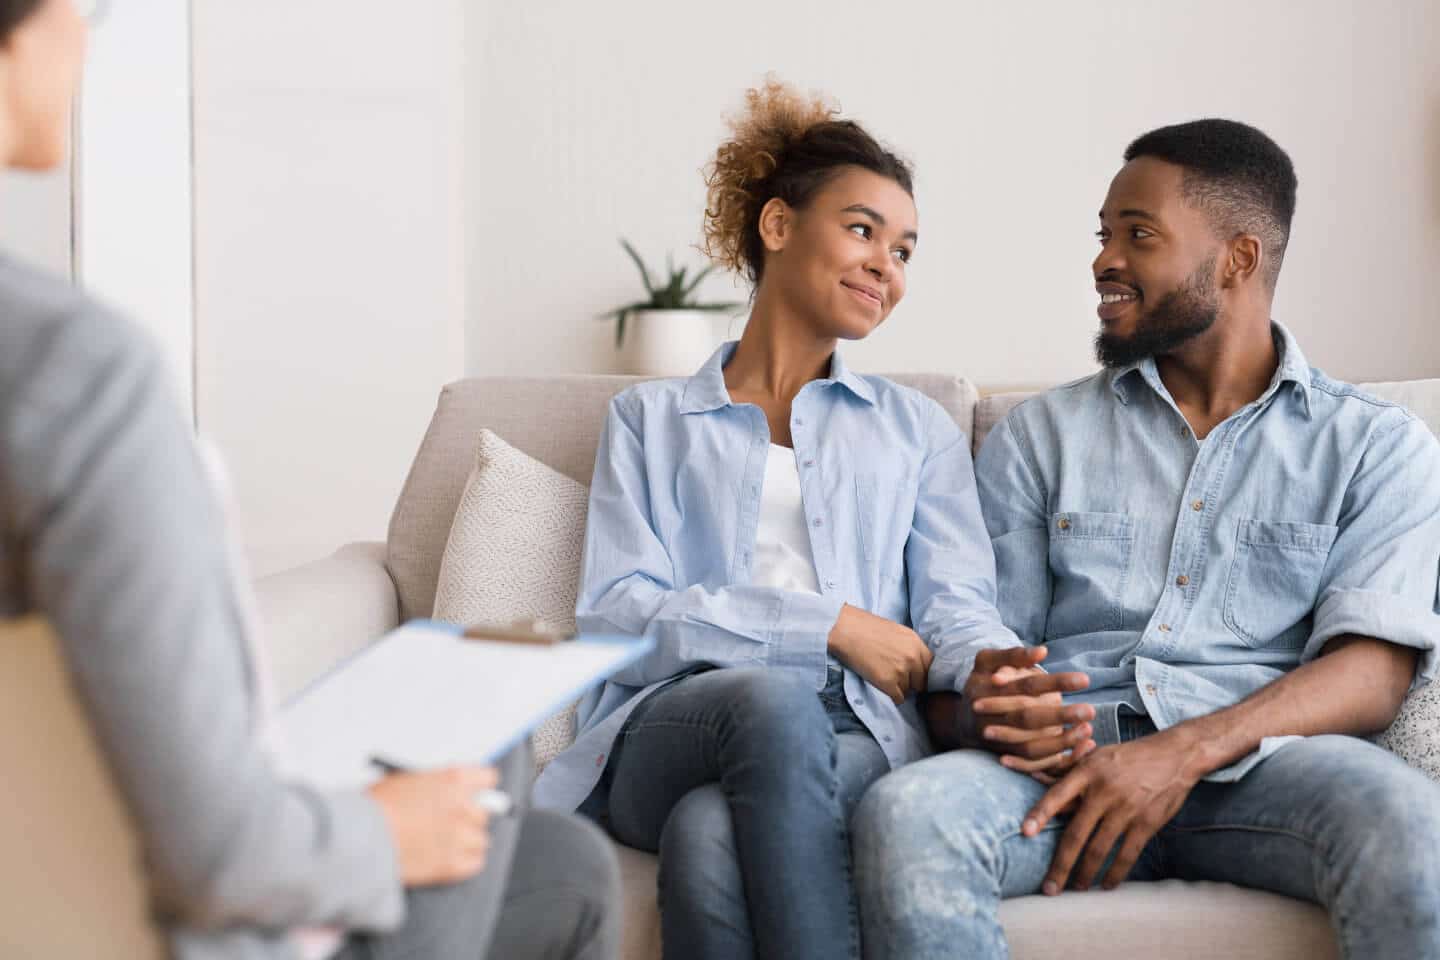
point(557, 421)
point(1170, 919)
point(514, 554)
point(991, 409)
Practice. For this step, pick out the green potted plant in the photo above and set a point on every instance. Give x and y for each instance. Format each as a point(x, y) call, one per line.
point(669, 333)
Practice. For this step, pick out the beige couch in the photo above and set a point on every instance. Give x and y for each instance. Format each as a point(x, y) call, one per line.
point(320, 612)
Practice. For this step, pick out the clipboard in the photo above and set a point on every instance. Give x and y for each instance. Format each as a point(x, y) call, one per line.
point(431, 695)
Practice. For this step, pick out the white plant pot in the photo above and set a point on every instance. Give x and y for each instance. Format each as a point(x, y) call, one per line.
point(671, 343)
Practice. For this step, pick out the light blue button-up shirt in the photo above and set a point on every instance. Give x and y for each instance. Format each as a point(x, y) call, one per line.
point(1183, 575)
point(888, 490)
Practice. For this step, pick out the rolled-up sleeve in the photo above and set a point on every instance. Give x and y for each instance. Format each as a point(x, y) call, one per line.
point(627, 583)
point(1380, 579)
point(948, 560)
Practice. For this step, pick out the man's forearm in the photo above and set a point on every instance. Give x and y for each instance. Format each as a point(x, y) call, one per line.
point(1355, 687)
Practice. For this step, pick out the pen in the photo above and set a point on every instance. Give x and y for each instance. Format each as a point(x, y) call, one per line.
point(496, 802)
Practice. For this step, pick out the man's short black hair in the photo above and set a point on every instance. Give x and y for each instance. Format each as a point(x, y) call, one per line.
point(1237, 174)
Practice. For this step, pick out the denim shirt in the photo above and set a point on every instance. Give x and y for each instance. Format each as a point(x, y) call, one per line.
point(888, 489)
point(1183, 575)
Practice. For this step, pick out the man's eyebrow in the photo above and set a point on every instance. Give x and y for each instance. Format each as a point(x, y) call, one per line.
point(875, 215)
point(1130, 212)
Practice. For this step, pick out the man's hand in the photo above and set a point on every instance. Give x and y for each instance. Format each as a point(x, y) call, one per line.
point(1121, 794)
point(1011, 707)
point(440, 834)
point(891, 657)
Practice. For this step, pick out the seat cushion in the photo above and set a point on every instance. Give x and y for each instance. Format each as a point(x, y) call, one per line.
point(557, 421)
point(1172, 919)
point(514, 554)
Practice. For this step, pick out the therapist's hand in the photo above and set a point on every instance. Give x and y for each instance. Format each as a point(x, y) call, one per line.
point(891, 657)
point(440, 834)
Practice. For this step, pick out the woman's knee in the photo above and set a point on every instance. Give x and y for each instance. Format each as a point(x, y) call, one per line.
point(780, 707)
point(697, 846)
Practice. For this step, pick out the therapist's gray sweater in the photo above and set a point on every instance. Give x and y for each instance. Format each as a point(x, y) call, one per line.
point(109, 528)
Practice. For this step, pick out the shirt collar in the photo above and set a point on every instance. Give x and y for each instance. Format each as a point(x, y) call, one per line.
point(1293, 369)
point(706, 391)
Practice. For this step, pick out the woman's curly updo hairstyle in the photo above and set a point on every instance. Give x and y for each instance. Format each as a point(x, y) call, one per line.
point(783, 145)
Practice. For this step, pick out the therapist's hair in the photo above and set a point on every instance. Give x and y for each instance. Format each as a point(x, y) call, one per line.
point(783, 144)
point(13, 12)
point(1240, 177)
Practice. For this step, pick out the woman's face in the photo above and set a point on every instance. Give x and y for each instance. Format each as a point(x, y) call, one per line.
point(840, 262)
point(40, 65)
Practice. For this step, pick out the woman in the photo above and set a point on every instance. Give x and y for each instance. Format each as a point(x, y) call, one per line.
point(109, 530)
point(774, 522)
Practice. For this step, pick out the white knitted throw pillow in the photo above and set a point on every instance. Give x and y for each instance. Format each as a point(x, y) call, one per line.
point(514, 554)
point(1415, 735)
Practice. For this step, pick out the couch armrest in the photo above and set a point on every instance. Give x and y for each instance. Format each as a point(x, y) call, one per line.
point(314, 615)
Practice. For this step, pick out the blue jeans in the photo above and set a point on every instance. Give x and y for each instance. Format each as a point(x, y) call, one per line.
point(743, 780)
point(1333, 820)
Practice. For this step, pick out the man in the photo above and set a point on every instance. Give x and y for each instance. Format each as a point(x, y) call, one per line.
point(1240, 552)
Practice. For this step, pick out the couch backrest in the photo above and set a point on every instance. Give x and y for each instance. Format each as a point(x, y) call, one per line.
point(557, 421)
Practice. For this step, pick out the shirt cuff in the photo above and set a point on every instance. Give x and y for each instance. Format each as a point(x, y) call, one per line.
point(802, 638)
point(950, 672)
point(1381, 616)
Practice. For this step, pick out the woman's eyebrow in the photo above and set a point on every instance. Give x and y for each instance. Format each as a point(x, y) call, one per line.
point(875, 215)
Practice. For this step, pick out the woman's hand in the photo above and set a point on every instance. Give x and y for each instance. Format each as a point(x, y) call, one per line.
point(441, 835)
point(892, 658)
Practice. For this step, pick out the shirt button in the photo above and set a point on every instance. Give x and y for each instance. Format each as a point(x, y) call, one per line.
point(1164, 628)
point(856, 701)
point(799, 422)
point(1198, 505)
point(1149, 688)
point(830, 584)
point(887, 738)
point(1181, 580)
point(1063, 524)
point(755, 491)
point(600, 760)
point(819, 522)
point(809, 463)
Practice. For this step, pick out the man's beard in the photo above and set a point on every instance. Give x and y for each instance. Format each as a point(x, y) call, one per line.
point(1181, 315)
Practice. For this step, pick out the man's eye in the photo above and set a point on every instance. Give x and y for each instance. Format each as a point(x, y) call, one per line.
point(1140, 233)
point(861, 230)
point(1102, 236)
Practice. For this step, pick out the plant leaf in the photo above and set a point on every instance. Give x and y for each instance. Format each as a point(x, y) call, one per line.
point(695, 282)
point(644, 274)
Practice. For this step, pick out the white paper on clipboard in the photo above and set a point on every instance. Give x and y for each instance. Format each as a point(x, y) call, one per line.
point(423, 697)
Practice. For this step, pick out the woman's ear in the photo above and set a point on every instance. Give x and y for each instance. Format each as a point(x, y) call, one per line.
point(776, 222)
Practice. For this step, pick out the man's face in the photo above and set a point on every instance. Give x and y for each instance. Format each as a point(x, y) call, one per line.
point(1156, 270)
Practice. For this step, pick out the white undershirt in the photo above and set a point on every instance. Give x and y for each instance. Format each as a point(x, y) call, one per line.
point(782, 541)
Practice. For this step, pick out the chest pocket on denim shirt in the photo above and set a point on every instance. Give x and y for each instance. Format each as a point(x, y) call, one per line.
point(1274, 579)
point(1090, 557)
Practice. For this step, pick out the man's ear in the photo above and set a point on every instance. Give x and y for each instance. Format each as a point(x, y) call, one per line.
point(1246, 255)
point(777, 220)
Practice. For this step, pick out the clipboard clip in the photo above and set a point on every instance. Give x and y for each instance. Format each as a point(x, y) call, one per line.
point(536, 633)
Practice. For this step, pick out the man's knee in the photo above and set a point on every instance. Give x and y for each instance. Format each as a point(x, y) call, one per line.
point(941, 803)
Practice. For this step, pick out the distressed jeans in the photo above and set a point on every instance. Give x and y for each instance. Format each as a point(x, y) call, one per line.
point(1334, 820)
point(744, 780)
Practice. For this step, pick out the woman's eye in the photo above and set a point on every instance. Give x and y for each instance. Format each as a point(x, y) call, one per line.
point(861, 230)
point(903, 255)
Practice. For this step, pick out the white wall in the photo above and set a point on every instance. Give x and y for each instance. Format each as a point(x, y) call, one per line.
point(133, 245)
point(588, 120)
point(329, 257)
